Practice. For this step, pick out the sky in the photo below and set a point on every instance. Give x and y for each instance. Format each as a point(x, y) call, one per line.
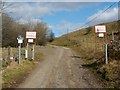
point(63, 16)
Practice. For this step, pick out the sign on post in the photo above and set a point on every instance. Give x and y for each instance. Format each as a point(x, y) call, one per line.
point(20, 40)
point(101, 35)
point(30, 40)
point(31, 34)
point(100, 28)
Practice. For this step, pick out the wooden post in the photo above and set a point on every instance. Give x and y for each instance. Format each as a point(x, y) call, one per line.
point(33, 52)
point(19, 53)
point(9, 53)
point(26, 52)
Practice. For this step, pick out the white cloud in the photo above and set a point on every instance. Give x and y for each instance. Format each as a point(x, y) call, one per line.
point(33, 9)
point(27, 10)
point(32, 20)
point(108, 16)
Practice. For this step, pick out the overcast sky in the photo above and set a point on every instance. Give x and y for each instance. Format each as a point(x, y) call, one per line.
point(64, 15)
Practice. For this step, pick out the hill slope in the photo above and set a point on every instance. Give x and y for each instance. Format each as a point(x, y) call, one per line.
point(91, 49)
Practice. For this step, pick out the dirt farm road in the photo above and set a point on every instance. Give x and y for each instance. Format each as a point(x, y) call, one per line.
point(60, 68)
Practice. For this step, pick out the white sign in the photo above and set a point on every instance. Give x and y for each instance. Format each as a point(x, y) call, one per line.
point(20, 40)
point(101, 34)
point(30, 40)
point(100, 28)
point(31, 34)
point(11, 58)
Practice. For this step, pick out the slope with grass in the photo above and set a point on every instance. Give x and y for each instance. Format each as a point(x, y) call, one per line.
point(91, 49)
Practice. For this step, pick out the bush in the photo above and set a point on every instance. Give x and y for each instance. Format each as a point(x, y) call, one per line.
point(114, 50)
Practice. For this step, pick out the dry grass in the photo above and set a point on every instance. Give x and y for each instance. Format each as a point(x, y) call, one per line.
point(91, 50)
point(12, 76)
point(14, 73)
point(13, 53)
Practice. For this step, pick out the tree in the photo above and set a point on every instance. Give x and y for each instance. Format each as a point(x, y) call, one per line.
point(9, 33)
point(51, 36)
point(10, 27)
point(41, 29)
point(10, 30)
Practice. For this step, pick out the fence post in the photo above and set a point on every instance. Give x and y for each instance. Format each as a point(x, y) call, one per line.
point(19, 53)
point(26, 53)
point(9, 53)
point(20, 40)
point(33, 51)
point(106, 53)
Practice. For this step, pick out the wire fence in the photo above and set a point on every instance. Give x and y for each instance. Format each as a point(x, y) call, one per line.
point(9, 55)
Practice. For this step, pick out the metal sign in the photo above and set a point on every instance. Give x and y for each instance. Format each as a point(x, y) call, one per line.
point(100, 28)
point(31, 34)
point(30, 40)
point(20, 39)
point(101, 35)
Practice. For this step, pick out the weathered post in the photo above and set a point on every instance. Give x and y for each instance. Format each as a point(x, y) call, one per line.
point(106, 54)
point(19, 53)
point(26, 53)
point(20, 40)
point(33, 53)
point(31, 36)
point(9, 53)
point(101, 30)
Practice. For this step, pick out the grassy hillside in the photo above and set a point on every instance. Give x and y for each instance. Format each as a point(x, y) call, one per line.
point(91, 49)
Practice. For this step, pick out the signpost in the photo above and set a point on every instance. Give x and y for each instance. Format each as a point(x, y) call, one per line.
point(30, 40)
point(106, 54)
point(101, 29)
point(30, 36)
point(20, 40)
point(101, 35)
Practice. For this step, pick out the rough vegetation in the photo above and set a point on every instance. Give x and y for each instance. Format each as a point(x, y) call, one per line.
point(11, 30)
point(15, 74)
point(114, 50)
point(91, 49)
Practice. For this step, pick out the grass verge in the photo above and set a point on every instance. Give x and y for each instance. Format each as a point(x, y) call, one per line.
point(12, 77)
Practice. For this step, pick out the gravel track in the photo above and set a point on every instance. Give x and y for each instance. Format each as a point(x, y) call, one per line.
point(60, 68)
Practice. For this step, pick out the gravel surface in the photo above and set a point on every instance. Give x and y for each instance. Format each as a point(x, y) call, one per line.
point(60, 68)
